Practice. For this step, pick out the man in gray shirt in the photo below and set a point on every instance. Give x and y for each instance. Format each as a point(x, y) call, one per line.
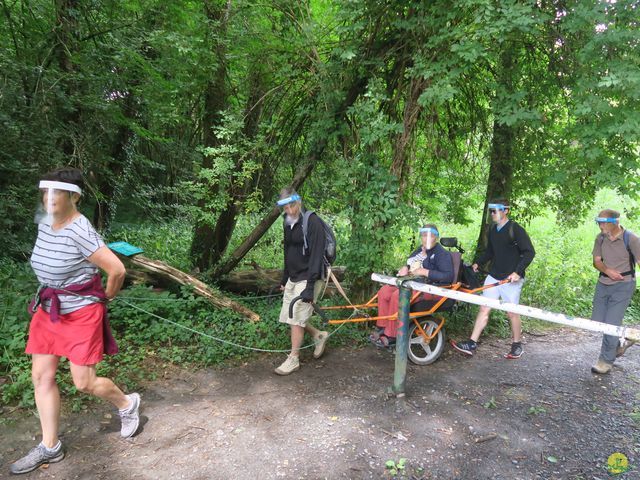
point(615, 253)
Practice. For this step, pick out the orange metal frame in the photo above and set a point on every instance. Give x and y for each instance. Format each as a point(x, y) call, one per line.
point(413, 315)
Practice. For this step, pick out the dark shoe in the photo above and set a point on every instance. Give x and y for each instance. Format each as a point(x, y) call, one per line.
point(623, 347)
point(385, 342)
point(38, 455)
point(516, 351)
point(468, 347)
point(376, 334)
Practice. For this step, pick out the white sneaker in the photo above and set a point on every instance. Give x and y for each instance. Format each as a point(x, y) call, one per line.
point(290, 365)
point(601, 367)
point(321, 343)
point(130, 417)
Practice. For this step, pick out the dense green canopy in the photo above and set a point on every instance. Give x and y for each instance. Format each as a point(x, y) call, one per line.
point(384, 112)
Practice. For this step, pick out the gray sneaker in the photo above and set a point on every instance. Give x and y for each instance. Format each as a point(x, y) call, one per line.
point(38, 455)
point(130, 418)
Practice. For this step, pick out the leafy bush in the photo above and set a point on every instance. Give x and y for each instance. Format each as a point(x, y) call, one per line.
point(169, 242)
point(17, 284)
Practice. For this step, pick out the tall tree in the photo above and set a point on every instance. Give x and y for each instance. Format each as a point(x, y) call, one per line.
point(215, 103)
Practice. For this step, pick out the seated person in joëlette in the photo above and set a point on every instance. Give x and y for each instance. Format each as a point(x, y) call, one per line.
point(431, 261)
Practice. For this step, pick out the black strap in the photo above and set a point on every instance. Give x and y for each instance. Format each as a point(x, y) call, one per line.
point(624, 274)
point(632, 260)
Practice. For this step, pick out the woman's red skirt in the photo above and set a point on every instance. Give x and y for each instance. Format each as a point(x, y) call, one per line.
point(78, 335)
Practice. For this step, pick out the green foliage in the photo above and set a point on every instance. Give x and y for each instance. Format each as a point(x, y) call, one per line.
point(396, 112)
point(17, 286)
point(491, 403)
point(536, 410)
point(169, 241)
point(395, 468)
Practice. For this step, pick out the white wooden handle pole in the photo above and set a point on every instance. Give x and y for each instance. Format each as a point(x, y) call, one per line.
point(622, 332)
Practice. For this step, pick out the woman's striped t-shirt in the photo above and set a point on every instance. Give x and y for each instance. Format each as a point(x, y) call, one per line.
point(59, 259)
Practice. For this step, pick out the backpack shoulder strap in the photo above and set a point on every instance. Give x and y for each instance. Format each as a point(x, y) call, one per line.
point(626, 236)
point(305, 227)
point(512, 235)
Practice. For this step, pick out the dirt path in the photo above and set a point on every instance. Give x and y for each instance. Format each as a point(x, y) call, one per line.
point(544, 416)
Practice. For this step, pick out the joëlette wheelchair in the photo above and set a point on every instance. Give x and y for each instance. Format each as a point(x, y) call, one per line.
point(427, 334)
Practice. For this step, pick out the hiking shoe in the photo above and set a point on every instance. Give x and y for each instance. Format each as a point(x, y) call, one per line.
point(129, 417)
point(601, 367)
point(38, 455)
point(376, 334)
point(321, 343)
point(516, 351)
point(385, 342)
point(624, 344)
point(290, 365)
point(468, 347)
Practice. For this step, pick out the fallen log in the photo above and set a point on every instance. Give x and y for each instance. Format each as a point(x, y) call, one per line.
point(263, 280)
point(159, 273)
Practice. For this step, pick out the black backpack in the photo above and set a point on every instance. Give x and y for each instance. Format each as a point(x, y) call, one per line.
point(330, 238)
point(469, 277)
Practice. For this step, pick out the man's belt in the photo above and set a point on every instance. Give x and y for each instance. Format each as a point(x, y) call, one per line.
point(624, 274)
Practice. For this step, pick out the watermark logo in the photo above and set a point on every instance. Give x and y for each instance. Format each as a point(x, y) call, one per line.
point(617, 463)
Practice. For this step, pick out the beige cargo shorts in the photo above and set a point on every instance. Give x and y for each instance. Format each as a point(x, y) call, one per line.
point(301, 311)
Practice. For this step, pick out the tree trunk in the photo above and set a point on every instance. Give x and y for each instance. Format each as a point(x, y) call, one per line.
point(503, 142)
point(102, 213)
point(262, 281)
point(168, 273)
point(315, 153)
point(401, 145)
point(67, 13)
point(226, 222)
point(215, 103)
point(264, 225)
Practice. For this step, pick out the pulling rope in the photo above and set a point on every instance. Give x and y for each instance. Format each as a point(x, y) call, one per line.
point(168, 299)
point(193, 330)
point(331, 276)
point(217, 339)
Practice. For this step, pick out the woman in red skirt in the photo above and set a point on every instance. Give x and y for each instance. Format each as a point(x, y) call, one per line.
point(430, 261)
point(69, 313)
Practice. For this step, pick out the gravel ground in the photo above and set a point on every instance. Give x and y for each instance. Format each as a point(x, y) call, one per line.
point(544, 416)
